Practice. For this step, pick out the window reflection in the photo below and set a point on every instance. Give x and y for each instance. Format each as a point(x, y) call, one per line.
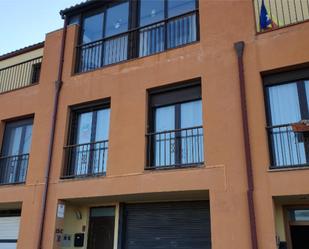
point(117, 18)
point(178, 7)
point(93, 28)
point(151, 11)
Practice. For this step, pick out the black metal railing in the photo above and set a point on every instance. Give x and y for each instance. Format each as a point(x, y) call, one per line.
point(282, 12)
point(176, 148)
point(154, 38)
point(88, 159)
point(288, 148)
point(13, 169)
point(20, 75)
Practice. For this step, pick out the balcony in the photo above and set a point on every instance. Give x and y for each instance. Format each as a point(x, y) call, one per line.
point(20, 75)
point(85, 160)
point(176, 148)
point(288, 148)
point(282, 13)
point(13, 169)
point(147, 40)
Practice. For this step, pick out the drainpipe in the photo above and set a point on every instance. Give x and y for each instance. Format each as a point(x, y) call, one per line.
point(239, 48)
point(58, 85)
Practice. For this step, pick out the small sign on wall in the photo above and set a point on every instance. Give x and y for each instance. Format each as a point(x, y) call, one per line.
point(60, 211)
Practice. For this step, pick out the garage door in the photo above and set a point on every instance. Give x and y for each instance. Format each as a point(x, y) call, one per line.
point(181, 225)
point(9, 227)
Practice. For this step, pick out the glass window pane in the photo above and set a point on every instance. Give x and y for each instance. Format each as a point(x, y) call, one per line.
point(181, 31)
point(284, 104)
point(178, 7)
point(192, 149)
point(101, 147)
point(191, 114)
point(165, 118)
point(165, 142)
point(27, 139)
point(151, 11)
point(93, 28)
point(102, 128)
point(299, 215)
point(13, 143)
point(102, 212)
point(307, 92)
point(117, 18)
point(84, 128)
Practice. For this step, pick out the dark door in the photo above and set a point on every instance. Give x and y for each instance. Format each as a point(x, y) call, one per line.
point(168, 225)
point(101, 228)
point(300, 237)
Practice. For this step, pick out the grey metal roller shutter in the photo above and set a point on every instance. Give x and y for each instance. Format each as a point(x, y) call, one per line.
point(181, 225)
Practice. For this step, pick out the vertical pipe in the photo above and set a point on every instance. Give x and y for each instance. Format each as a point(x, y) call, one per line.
point(58, 84)
point(239, 48)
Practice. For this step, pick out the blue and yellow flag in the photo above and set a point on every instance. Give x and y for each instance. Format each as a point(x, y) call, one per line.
point(265, 20)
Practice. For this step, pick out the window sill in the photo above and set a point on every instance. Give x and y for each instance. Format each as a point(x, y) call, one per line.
point(175, 167)
point(12, 184)
point(82, 177)
point(288, 168)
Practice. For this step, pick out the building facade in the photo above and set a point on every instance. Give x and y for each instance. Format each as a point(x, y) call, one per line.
point(159, 124)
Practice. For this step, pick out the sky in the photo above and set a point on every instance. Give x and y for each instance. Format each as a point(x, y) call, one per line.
point(25, 22)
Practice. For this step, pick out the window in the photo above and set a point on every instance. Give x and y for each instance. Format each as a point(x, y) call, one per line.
point(175, 127)
point(110, 35)
point(97, 47)
point(287, 104)
point(166, 34)
point(101, 232)
point(15, 151)
point(36, 70)
point(88, 149)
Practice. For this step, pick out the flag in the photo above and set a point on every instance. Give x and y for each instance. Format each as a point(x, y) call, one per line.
point(265, 20)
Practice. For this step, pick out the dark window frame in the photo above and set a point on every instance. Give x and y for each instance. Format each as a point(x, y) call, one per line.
point(13, 124)
point(20, 157)
point(170, 95)
point(284, 77)
point(36, 72)
point(102, 9)
point(75, 111)
point(133, 27)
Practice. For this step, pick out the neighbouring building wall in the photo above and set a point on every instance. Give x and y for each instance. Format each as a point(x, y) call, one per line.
point(75, 221)
point(280, 229)
point(21, 58)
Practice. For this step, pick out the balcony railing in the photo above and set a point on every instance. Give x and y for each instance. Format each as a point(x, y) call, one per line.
point(20, 75)
point(13, 169)
point(175, 148)
point(288, 148)
point(154, 38)
point(84, 160)
point(282, 13)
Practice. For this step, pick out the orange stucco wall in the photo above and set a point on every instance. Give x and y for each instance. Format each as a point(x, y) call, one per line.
point(212, 59)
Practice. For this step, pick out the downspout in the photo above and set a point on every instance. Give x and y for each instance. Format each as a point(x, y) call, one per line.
point(58, 85)
point(239, 48)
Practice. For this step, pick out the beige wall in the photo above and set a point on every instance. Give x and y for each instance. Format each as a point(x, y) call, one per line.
point(74, 225)
point(280, 226)
point(21, 58)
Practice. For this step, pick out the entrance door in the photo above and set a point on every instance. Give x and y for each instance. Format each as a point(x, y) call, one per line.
point(297, 227)
point(300, 237)
point(101, 228)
